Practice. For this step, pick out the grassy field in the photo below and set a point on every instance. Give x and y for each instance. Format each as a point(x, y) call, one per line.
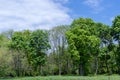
point(114, 77)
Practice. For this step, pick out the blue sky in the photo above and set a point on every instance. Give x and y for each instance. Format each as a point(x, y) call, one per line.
point(99, 10)
point(45, 14)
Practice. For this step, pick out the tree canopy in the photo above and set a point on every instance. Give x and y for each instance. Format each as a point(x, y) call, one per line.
point(84, 47)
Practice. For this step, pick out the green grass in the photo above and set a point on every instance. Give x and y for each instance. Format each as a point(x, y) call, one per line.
point(113, 77)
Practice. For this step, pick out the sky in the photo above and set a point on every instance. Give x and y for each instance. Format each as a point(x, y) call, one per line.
point(46, 14)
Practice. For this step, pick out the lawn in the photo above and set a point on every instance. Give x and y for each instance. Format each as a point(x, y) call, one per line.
point(113, 77)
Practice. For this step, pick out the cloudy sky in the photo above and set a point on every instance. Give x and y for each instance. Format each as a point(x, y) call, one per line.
point(45, 14)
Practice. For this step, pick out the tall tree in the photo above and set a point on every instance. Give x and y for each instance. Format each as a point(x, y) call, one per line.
point(116, 36)
point(59, 44)
point(106, 42)
point(39, 44)
point(16, 44)
point(82, 42)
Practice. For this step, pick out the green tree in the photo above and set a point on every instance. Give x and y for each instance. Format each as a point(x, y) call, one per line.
point(5, 57)
point(16, 44)
point(39, 44)
point(116, 36)
point(59, 46)
point(19, 46)
point(82, 42)
point(106, 42)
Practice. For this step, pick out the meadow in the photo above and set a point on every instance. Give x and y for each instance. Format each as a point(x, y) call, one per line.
point(113, 77)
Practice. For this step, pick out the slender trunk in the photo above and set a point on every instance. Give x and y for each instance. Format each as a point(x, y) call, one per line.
point(68, 67)
point(96, 64)
point(19, 64)
point(60, 69)
point(41, 72)
point(59, 62)
point(59, 56)
point(81, 69)
point(59, 65)
point(118, 56)
point(106, 61)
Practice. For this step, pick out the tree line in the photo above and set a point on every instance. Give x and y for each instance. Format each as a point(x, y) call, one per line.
point(84, 47)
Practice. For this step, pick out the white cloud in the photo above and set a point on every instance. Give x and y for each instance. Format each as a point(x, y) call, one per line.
point(62, 1)
point(32, 14)
point(94, 4)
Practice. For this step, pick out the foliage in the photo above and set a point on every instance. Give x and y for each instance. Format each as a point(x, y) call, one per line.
point(83, 48)
point(82, 42)
point(116, 36)
point(38, 45)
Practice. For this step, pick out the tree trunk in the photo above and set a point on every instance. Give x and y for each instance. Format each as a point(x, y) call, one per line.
point(96, 65)
point(81, 69)
point(41, 72)
point(60, 69)
point(119, 61)
point(59, 56)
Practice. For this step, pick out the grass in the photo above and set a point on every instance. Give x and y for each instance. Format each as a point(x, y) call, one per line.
point(113, 77)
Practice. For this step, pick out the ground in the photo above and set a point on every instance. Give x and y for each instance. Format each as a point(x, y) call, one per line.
point(113, 77)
